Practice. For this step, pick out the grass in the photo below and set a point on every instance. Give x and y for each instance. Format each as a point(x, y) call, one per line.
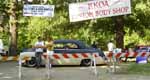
point(134, 68)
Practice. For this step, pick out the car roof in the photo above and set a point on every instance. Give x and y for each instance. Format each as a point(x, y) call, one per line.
point(77, 42)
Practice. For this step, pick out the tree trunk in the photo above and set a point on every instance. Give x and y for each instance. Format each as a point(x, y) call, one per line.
point(119, 26)
point(13, 29)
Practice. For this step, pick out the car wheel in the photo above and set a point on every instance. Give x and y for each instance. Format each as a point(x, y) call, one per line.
point(86, 62)
point(31, 63)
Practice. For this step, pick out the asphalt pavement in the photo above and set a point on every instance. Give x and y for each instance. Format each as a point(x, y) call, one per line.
point(9, 71)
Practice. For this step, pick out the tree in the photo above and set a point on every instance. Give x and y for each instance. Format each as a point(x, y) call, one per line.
point(8, 9)
point(13, 28)
point(119, 29)
point(135, 25)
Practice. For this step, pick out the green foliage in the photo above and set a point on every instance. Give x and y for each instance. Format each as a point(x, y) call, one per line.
point(137, 25)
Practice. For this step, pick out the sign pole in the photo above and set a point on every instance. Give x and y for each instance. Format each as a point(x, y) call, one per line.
point(48, 67)
point(20, 65)
point(95, 70)
point(114, 64)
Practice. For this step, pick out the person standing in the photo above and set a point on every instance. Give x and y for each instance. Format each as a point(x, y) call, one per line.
point(49, 45)
point(39, 48)
point(110, 46)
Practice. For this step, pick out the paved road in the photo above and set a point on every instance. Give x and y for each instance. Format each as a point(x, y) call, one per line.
point(9, 71)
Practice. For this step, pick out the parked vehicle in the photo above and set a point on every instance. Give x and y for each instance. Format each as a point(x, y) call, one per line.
point(70, 52)
point(142, 49)
point(3, 52)
point(138, 50)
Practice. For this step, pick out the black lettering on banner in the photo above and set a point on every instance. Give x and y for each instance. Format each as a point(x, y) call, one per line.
point(37, 10)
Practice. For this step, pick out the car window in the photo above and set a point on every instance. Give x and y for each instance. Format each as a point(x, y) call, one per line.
point(58, 46)
point(144, 48)
point(65, 46)
point(71, 46)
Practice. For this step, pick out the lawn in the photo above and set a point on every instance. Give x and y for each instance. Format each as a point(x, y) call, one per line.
point(134, 68)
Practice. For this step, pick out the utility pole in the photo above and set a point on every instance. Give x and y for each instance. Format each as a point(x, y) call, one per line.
point(13, 28)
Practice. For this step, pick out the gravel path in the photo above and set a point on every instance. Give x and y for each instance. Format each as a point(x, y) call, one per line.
point(9, 71)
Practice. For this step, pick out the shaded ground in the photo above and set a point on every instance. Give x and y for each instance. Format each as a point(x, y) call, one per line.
point(9, 71)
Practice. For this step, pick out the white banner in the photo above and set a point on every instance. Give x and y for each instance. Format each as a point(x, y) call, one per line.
point(38, 10)
point(98, 9)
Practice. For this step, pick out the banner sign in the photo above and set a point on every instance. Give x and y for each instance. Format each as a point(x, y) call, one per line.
point(98, 9)
point(38, 10)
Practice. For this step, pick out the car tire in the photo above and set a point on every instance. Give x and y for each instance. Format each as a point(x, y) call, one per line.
point(86, 62)
point(31, 63)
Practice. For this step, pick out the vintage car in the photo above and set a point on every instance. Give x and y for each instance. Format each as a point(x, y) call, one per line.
point(3, 52)
point(68, 52)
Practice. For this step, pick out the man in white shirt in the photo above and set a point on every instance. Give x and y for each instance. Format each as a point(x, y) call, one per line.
point(39, 48)
point(110, 46)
